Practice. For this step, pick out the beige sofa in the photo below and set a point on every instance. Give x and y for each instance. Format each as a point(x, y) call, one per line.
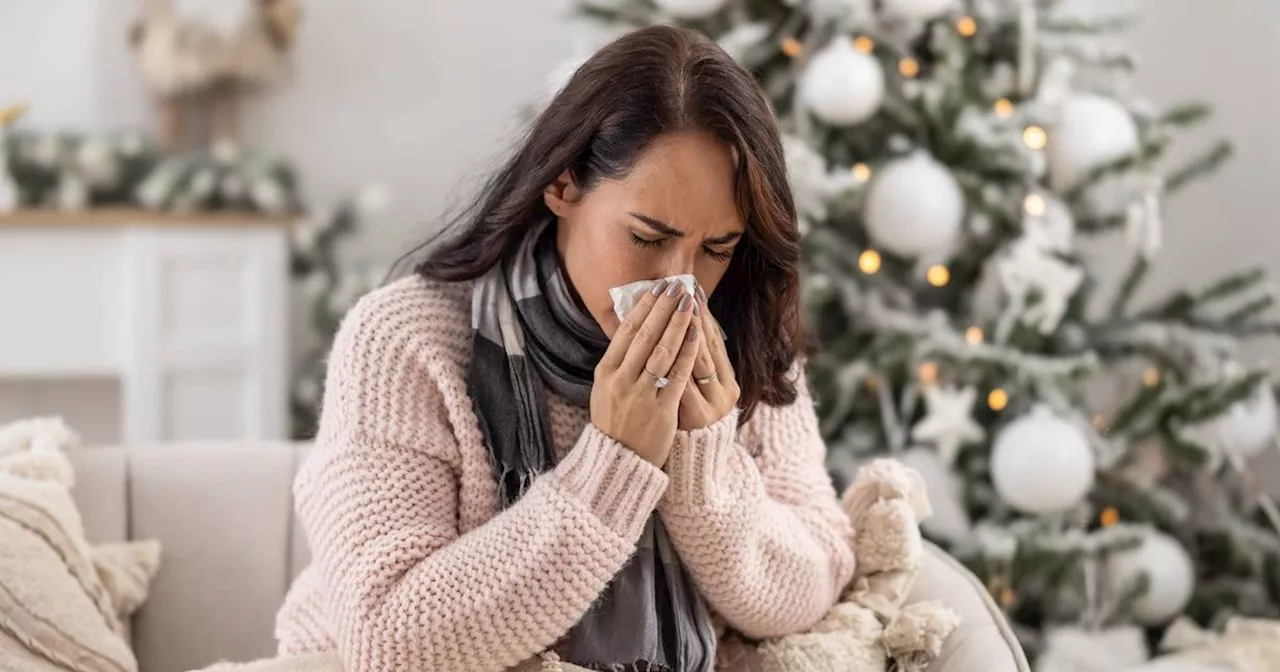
point(224, 514)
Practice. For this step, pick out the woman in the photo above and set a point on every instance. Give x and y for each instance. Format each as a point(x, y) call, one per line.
point(505, 468)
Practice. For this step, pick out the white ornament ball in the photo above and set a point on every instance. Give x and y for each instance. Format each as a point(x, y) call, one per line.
point(1041, 463)
point(841, 85)
point(1092, 132)
point(918, 9)
point(914, 207)
point(1249, 425)
point(1170, 577)
point(690, 9)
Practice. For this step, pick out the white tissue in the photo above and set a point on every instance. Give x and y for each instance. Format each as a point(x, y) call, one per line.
point(626, 296)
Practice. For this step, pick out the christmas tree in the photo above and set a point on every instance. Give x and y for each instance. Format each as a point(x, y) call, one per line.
point(1084, 450)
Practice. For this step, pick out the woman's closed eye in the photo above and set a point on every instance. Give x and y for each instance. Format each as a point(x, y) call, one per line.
point(717, 254)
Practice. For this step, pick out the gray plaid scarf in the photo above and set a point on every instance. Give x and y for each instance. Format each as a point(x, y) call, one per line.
point(530, 332)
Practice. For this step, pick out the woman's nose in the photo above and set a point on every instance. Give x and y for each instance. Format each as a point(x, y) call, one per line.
point(679, 264)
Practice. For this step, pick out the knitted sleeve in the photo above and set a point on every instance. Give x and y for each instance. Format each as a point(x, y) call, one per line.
point(764, 537)
point(379, 502)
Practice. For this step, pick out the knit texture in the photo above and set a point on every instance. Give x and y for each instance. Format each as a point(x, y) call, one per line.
point(415, 567)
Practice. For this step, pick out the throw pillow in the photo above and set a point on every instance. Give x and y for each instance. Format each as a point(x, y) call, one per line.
point(62, 601)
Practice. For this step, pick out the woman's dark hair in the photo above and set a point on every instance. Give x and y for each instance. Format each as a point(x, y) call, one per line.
point(649, 82)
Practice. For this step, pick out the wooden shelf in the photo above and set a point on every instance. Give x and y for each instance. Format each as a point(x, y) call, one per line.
point(117, 217)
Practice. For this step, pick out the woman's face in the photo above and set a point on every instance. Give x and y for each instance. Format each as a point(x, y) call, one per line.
point(673, 214)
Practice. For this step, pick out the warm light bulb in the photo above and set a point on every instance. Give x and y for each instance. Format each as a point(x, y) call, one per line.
point(869, 261)
point(861, 172)
point(1035, 205)
point(1035, 137)
point(1008, 597)
point(967, 26)
point(973, 336)
point(864, 44)
point(909, 67)
point(1004, 108)
point(1110, 516)
point(792, 47)
point(938, 275)
point(998, 399)
point(928, 373)
point(1151, 377)
point(872, 382)
point(1099, 422)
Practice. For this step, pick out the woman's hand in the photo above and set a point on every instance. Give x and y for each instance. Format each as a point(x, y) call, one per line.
point(658, 339)
point(712, 392)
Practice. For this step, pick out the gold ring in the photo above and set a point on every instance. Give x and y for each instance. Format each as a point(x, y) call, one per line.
point(707, 380)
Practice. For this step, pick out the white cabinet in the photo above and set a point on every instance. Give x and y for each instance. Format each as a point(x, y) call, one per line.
point(187, 315)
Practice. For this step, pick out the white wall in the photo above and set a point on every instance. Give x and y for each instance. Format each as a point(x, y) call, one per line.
point(1223, 52)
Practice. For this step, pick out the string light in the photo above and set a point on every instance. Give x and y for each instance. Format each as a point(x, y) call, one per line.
point(1099, 422)
point(1004, 108)
point(1008, 597)
point(1110, 516)
point(1151, 377)
point(909, 67)
point(792, 47)
point(869, 261)
point(1035, 205)
point(966, 26)
point(864, 44)
point(973, 336)
point(861, 172)
point(928, 373)
point(938, 275)
point(872, 382)
point(1035, 137)
point(998, 399)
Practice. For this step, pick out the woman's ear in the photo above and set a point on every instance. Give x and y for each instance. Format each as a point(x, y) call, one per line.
point(562, 194)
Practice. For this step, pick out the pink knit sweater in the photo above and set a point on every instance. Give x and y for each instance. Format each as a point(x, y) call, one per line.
point(414, 567)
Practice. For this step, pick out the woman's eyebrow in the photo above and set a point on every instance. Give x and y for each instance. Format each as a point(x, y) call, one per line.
point(666, 229)
point(658, 225)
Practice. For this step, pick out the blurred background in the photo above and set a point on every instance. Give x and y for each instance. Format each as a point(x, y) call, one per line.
point(171, 274)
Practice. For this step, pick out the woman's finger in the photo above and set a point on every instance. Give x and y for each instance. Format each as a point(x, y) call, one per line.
point(704, 365)
point(715, 346)
point(683, 367)
point(649, 332)
point(663, 355)
point(626, 333)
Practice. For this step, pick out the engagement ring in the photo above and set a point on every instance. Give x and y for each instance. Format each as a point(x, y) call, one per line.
point(658, 381)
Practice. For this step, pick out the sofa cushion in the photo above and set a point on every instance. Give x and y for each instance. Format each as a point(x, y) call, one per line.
point(100, 493)
point(225, 514)
point(984, 643)
point(62, 601)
